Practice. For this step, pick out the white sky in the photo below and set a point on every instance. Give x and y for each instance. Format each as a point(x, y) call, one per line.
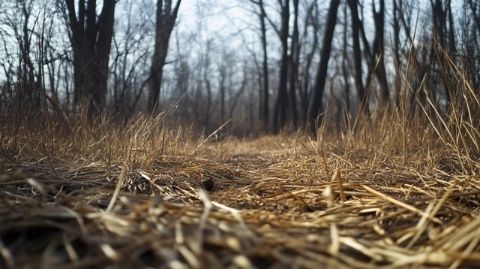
point(221, 20)
point(217, 15)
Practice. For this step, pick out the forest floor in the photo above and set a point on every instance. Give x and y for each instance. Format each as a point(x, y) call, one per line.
point(343, 201)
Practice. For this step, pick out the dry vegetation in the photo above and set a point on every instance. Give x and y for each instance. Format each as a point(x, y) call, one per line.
point(391, 192)
point(145, 195)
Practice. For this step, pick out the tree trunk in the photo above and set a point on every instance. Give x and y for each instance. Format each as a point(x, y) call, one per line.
point(315, 109)
point(312, 20)
point(209, 101)
point(266, 79)
point(379, 50)
point(396, 51)
point(166, 16)
point(294, 59)
point(222, 91)
point(345, 68)
point(281, 107)
point(91, 38)
point(357, 55)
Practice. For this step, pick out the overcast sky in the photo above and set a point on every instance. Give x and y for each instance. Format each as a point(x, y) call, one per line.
point(216, 19)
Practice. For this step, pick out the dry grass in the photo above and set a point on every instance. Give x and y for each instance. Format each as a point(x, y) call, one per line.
point(144, 196)
point(392, 194)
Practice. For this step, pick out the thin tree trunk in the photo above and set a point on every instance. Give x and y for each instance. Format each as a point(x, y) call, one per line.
point(223, 78)
point(166, 16)
point(209, 101)
point(379, 50)
point(281, 106)
point(305, 90)
point(345, 68)
point(294, 61)
point(316, 109)
point(266, 79)
point(396, 52)
point(357, 55)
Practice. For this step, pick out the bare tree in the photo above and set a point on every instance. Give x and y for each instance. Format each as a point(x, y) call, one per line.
point(91, 37)
point(294, 63)
point(357, 54)
point(311, 27)
point(265, 90)
point(19, 23)
point(223, 87)
point(281, 105)
point(166, 15)
point(129, 60)
point(378, 62)
point(315, 108)
point(208, 86)
point(345, 62)
point(396, 48)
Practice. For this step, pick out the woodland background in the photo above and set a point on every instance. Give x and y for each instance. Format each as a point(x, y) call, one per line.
point(270, 65)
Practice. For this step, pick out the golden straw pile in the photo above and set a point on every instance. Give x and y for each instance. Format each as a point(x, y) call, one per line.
point(146, 197)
